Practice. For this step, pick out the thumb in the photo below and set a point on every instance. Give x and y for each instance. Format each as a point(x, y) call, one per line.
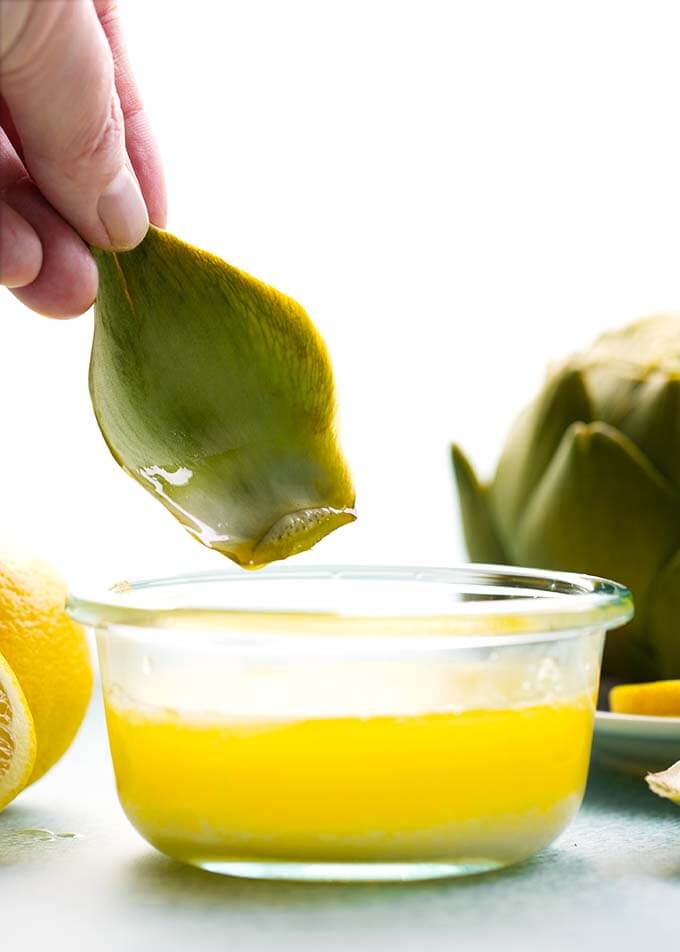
point(57, 76)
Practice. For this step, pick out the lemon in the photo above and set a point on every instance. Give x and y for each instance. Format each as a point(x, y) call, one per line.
point(660, 698)
point(667, 783)
point(17, 737)
point(47, 652)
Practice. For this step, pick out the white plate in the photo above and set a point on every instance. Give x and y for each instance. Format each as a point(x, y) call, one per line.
point(635, 743)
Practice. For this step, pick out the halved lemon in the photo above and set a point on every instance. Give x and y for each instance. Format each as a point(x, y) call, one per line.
point(17, 737)
point(46, 650)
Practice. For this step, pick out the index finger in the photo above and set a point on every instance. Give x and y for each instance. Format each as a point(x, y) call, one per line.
point(140, 141)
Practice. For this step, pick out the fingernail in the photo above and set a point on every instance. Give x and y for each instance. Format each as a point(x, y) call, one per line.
point(122, 211)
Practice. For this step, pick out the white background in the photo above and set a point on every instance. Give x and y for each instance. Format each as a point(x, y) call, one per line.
point(457, 192)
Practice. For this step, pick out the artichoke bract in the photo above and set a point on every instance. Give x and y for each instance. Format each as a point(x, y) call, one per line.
point(589, 481)
point(667, 783)
point(215, 392)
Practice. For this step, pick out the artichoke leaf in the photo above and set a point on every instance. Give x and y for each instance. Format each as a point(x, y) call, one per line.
point(646, 346)
point(667, 783)
point(620, 361)
point(533, 443)
point(603, 508)
point(653, 423)
point(215, 392)
point(481, 536)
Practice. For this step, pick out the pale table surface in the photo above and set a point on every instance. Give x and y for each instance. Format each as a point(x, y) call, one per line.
point(612, 881)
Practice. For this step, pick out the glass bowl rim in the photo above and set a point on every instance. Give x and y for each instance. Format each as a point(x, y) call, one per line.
point(564, 605)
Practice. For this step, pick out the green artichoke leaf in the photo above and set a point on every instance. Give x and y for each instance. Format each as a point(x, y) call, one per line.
point(663, 618)
point(602, 507)
point(645, 346)
point(620, 361)
point(215, 392)
point(653, 423)
point(481, 535)
point(533, 443)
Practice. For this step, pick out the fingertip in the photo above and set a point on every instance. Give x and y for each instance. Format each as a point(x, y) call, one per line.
point(21, 253)
point(66, 289)
point(67, 283)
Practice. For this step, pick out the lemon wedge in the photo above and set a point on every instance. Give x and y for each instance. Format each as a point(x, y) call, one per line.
point(656, 698)
point(17, 737)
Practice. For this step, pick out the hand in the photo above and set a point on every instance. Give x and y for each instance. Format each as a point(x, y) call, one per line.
point(78, 162)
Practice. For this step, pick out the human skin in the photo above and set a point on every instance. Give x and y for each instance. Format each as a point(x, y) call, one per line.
point(78, 161)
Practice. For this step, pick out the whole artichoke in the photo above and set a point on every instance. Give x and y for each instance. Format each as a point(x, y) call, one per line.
point(589, 481)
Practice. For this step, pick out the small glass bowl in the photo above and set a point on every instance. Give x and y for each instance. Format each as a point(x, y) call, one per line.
point(352, 723)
